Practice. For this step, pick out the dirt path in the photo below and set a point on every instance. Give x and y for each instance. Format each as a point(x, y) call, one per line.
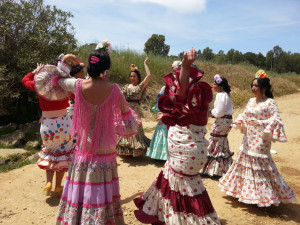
point(22, 202)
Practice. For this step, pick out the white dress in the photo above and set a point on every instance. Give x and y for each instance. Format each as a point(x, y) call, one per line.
point(253, 178)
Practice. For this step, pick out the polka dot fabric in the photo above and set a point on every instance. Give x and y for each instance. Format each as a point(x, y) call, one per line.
point(253, 178)
point(57, 148)
point(178, 195)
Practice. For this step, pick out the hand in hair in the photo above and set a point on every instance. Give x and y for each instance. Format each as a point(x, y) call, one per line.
point(71, 58)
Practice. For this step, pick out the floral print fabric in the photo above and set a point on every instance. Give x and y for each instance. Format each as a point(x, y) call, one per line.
point(253, 178)
point(135, 145)
point(91, 193)
point(219, 154)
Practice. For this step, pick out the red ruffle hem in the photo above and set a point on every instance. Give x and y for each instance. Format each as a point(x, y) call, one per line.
point(199, 205)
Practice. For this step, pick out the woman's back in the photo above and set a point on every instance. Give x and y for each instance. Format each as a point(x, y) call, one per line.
point(96, 91)
point(98, 116)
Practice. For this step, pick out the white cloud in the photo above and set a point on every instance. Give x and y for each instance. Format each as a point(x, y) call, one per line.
point(181, 6)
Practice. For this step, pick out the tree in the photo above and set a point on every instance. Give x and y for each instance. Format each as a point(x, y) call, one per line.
point(156, 45)
point(180, 55)
point(198, 54)
point(29, 33)
point(269, 60)
point(234, 56)
point(207, 54)
point(220, 57)
point(251, 58)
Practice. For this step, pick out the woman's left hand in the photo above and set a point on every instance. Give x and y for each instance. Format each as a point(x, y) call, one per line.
point(146, 60)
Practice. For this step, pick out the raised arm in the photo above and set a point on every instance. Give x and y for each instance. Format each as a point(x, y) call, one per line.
point(28, 79)
point(188, 59)
point(71, 58)
point(148, 76)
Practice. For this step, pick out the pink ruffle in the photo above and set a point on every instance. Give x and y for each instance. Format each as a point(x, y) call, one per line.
point(131, 122)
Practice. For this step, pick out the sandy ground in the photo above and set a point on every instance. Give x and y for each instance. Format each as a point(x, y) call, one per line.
point(22, 202)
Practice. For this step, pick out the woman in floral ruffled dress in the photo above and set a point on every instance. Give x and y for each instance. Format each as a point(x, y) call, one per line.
point(135, 145)
point(253, 177)
point(91, 192)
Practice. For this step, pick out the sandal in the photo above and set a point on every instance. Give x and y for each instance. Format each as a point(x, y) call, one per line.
point(47, 189)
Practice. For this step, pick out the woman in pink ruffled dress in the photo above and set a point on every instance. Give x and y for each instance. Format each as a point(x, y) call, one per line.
point(178, 196)
point(91, 192)
point(253, 177)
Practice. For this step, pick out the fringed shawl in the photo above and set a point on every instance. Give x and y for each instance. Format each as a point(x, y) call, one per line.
point(101, 124)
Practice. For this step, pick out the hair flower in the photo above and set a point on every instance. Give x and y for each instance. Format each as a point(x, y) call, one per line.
point(133, 67)
point(217, 79)
point(260, 74)
point(105, 45)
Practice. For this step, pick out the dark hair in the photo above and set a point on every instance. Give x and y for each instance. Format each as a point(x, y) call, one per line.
point(138, 74)
point(95, 69)
point(264, 84)
point(224, 83)
point(75, 69)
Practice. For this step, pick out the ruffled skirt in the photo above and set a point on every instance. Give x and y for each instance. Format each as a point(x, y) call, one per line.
point(135, 145)
point(218, 152)
point(254, 179)
point(158, 148)
point(58, 146)
point(91, 192)
point(178, 195)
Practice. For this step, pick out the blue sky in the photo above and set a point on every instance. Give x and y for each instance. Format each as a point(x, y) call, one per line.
point(244, 25)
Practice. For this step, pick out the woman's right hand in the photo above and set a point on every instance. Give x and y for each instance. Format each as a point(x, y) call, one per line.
point(188, 58)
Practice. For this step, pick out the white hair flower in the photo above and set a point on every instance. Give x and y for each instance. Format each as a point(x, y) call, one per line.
point(105, 45)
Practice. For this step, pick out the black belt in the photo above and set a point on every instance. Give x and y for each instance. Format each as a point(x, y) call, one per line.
point(227, 116)
point(218, 135)
point(134, 100)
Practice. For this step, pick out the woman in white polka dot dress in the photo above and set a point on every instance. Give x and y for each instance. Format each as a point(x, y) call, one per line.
point(178, 196)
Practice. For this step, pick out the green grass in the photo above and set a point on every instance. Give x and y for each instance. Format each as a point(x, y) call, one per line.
point(7, 146)
point(6, 130)
point(6, 168)
point(17, 160)
point(239, 76)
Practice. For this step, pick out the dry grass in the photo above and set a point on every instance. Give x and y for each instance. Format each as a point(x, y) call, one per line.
point(239, 76)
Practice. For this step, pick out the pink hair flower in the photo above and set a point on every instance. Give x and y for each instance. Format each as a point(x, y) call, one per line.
point(217, 79)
